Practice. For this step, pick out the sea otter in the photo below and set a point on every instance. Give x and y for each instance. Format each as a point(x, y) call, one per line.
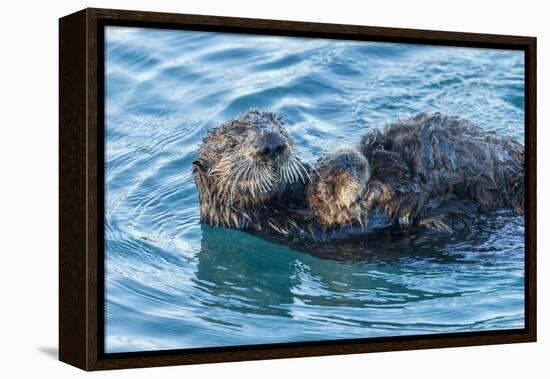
point(249, 174)
point(429, 170)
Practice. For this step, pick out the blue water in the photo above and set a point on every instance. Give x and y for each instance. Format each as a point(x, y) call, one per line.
point(172, 283)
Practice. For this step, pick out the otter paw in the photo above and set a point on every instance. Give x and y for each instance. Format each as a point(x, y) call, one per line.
point(405, 219)
point(436, 223)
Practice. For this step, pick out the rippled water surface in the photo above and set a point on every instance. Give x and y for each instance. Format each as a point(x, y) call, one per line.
point(172, 283)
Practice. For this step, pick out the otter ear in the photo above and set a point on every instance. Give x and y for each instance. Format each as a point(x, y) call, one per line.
point(199, 166)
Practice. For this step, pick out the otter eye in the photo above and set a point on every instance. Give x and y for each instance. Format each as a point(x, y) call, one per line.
point(231, 143)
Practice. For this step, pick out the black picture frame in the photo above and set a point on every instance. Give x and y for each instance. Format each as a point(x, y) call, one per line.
point(81, 160)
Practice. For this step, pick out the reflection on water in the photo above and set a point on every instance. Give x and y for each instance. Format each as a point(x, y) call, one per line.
point(173, 283)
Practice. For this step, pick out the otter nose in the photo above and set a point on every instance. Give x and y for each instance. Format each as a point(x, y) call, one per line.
point(271, 144)
point(343, 161)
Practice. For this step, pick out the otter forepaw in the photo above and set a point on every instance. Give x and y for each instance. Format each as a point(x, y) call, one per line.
point(436, 223)
point(404, 218)
point(363, 219)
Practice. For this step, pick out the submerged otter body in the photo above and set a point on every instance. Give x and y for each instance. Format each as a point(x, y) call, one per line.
point(431, 171)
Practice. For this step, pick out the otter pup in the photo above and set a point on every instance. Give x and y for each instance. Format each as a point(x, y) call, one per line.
point(428, 170)
point(447, 156)
point(347, 190)
point(248, 174)
point(336, 193)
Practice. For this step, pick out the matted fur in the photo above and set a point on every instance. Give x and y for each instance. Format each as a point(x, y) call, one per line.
point(446, 157)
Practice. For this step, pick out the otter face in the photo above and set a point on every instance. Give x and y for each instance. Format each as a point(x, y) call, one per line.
point(337, 187)
point(247, 161)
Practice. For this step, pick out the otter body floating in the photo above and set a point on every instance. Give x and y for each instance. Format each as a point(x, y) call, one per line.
point(430, 171)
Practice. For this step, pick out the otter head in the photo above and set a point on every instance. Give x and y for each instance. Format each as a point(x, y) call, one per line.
point(242, 164)
point(337, 187)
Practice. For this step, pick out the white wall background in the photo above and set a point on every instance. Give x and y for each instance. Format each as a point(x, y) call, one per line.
point(28, 201)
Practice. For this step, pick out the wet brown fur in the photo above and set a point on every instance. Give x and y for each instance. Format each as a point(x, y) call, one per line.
point(239, 187)
point(420, 166)
point(335, 194)
point(446, 157)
